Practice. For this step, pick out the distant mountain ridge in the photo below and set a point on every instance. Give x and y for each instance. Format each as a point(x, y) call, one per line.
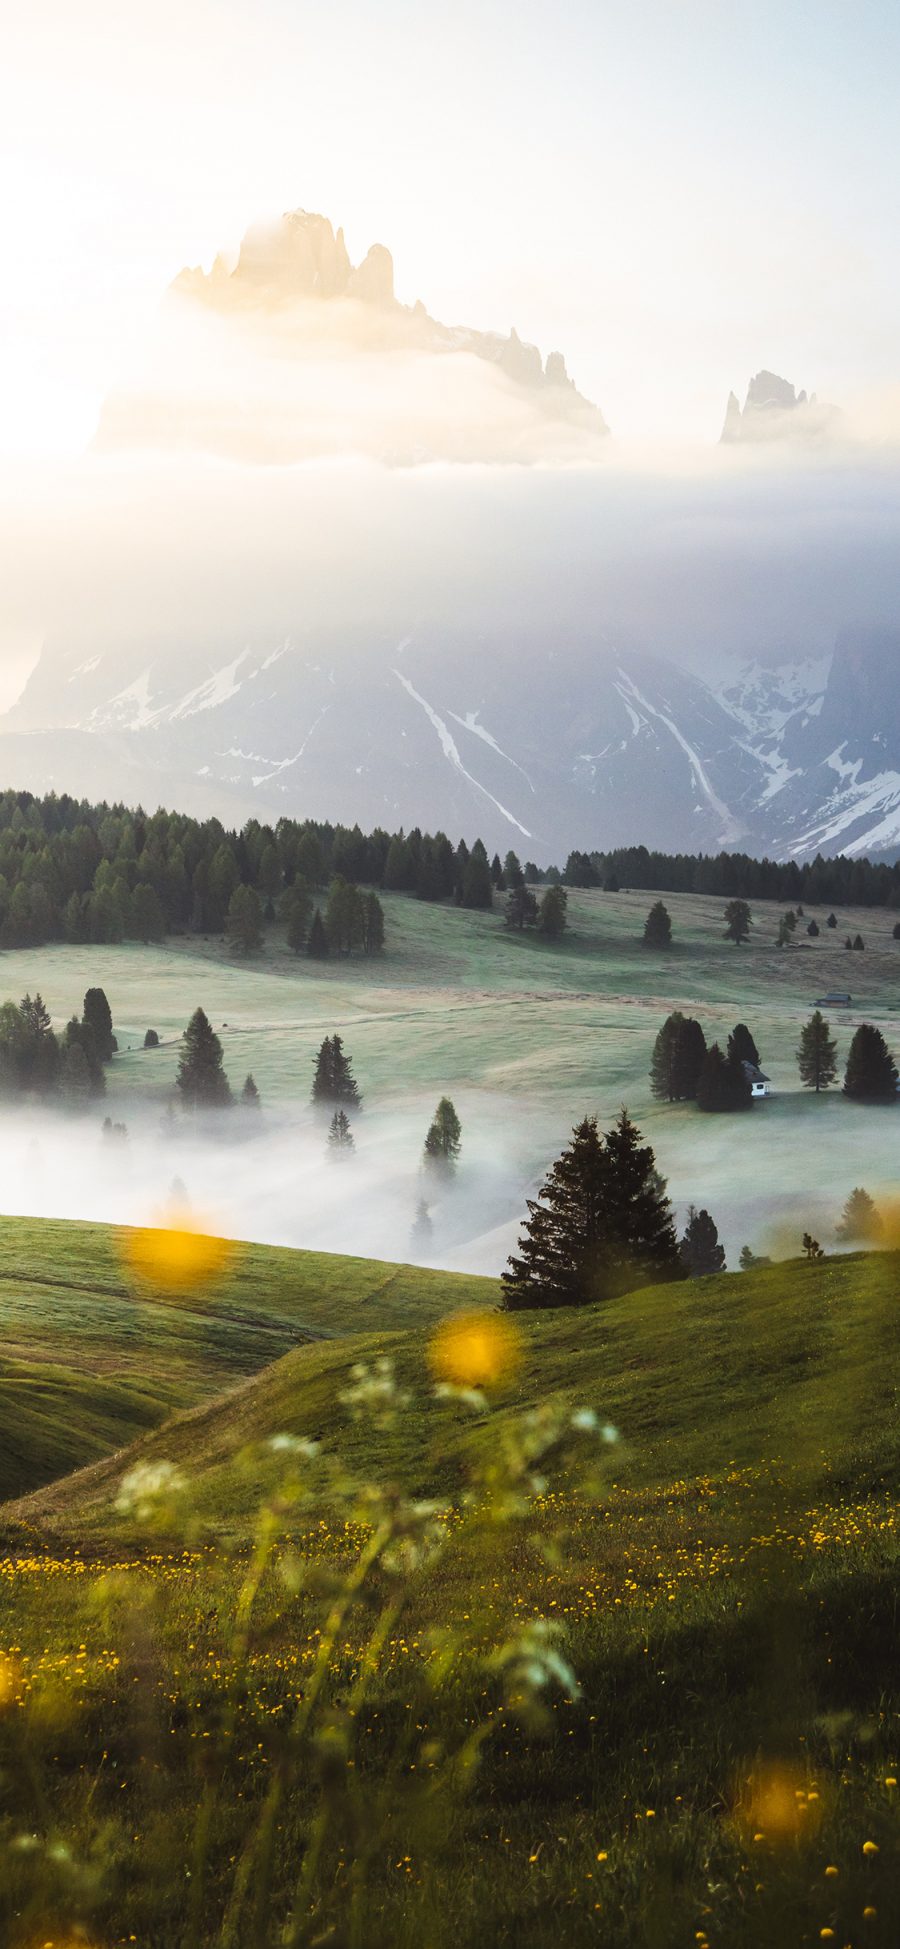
point(595, 748)
point(774, 410)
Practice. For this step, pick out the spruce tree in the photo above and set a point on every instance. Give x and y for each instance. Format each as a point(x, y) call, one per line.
point(97, 1013)
point(422, 1230)
point(813, 930)
point(860, 1220)
point(201, 1077)
point(442, 1138)
point(521, 907)
point(373, 924)
point(477, 887)
point(738, 921)
point(722, 1084)
point(601, 1224)
point(678, 1055)
point(831, 921)
point(699, 1250)
point(333, 1081)
point(741, 1046)
point(658, 927)
point(552, 919)
point(317, 944)
point(81, 1035)
point(817, 1054)
point(250, 1097)
point(340, 1135)
point(871, 1073)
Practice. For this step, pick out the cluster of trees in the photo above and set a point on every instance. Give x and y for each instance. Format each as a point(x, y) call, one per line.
point(820, 882)
point(35, 1061)
point(548, 916)
point(335, 1088)
point(683, 1069)
point(201, 1079)
point(602, 1225)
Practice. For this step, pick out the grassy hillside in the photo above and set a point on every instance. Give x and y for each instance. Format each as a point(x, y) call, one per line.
point(726, 1576)
point(92, 1354)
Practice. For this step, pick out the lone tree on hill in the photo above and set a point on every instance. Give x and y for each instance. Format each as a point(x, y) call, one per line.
point(722, 1084)
point(811, 1247)
point(552, 920)
point(858, 943)
point(860, 1220)
point(601, 1224)
point(340, 1135)
point(748, 1259)
point(741, 1046)
point(813, 929)
point(871, 1072)
point(677, 1059)
point(738, 921)
point(201, 1077)
point(699, 1250)
point(334, 1082)
point(250, 1096)
point(97, 1013)
point(658, 926)
point(831, 921)
point(442, 1139)
point(817, 1054)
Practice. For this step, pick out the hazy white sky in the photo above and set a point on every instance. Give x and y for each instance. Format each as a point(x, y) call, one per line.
point(672, 194)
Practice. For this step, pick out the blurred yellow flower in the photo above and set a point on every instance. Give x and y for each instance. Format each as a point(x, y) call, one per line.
point(475, 1349)
point(779, 1805)
point(175, 1251)
point(9, 1680)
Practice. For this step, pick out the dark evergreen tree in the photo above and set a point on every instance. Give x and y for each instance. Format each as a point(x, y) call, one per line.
point(858, 943)
point(497, 874)
point(813, 929)
point(201, 1077)
point(442, 1138)
point(333, 1081)
point(250, 1097)
point(738, 921)
point(896, 931)
point(340, 1135)
point(811, 1247)
point(749, 1259)
point(244, 920)
point(317, 945)
point(658, 926)
point(296, 906)
point(741, 1046)
point(601, 1224)
point(678, 1055)
point(871, 1073)
point(722, 1084)
point(817, 1054)
point(699, 1249)
point(512, 871)
point(151, 1039)
point(477, 887)
point(831, 921)
point(552, 918)
point(521, 908)
point(373, 924)
point(81, 1035)
point(97, 1014)
point(860, 1221)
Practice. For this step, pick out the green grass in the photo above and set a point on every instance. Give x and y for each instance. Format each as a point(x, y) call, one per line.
point(91, 1355)
point(728, 1584)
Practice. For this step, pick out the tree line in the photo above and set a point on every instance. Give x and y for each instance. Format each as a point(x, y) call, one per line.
point(818, 882)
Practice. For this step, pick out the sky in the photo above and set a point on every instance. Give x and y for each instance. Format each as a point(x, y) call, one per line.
point(673, 195)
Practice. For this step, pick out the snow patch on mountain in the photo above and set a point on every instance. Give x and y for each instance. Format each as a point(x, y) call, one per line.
point(731, 827)
point(450, 751)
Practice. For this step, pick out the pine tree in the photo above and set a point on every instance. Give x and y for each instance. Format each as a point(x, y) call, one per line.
point(333, 1082)
point(831, 921)
point(871, 1073)
point(340, 1135)
point(738, 921)
point(748, 1259)
point(96, 1011)
point(741, 1046)
point(552, 919)
point(601, 1224)
point(858, 943)
point(678, 1056)
point(244, 921)
point(521, 907)
point(813, 930)
point(860, 1220)
point(699, 1249)
point(658, 926)
point(344, 917)
point(722, 1084)
point(477, 887)
point(422, 1231)
point(317, 945)
point(811, 1247)
point(201, 1077)
point(373, 924)
point(442, 1139)
point(512, 871)
point(250, 1097)
point(817, 1054)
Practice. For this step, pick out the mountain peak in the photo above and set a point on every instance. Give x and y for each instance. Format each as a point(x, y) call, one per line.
point(774, 410)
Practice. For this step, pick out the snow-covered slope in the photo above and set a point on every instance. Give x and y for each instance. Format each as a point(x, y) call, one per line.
point(576, 744)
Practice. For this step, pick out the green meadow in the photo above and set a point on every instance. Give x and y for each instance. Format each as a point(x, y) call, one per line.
point(271, 1707)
